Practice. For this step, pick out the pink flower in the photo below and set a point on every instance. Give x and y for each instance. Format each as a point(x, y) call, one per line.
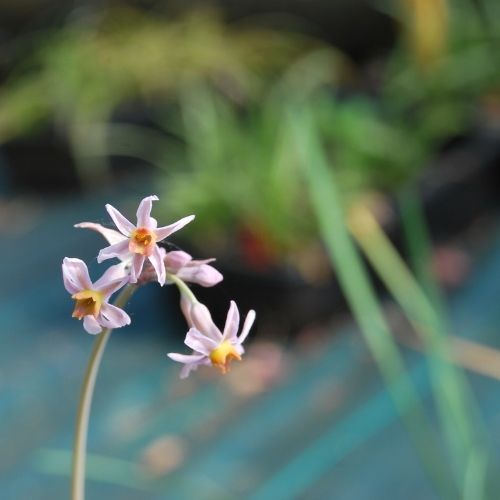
point(139, 242)
point(91, 299)
point(195, 271)
point(176, 262)
point(210, 346)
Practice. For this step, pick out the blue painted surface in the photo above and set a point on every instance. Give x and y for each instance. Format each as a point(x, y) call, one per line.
point(328, 430)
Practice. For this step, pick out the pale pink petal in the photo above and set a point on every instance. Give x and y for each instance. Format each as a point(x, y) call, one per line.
point(232, 322)
point(153, 223)
point(113, 278)
point(137, 265)
point(239, 348)
point(186, 309)
point(113, 287)
point(91, 325)
point(75, 275)
point(163, 232)
point(198, 262)
point(249, 320)
point(202, 321)
point(203, 275)
point(144, 213)
point(122, 223)
point(176, 259)
point(156, 259)
point(163, 252)
point(188, 368)
point(186, 358)
point(119, 250)
point(70, 283)
point(191, 362)
point(112, 236)
point(111, 316)
point(199, 342)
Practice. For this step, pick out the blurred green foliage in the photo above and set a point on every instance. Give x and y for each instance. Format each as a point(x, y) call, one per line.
point(90, 66)
point(241, 172)
point(218, 94)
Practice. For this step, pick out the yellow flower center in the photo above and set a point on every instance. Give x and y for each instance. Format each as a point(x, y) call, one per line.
point(142, 241)
point(222, 355)
point(88, 302)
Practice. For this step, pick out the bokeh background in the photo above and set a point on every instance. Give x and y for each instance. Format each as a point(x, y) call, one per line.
point(340, 156)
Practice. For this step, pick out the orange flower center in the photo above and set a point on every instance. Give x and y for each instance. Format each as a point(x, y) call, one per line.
point(87, 302)
point(142, 241)
point(222, 355)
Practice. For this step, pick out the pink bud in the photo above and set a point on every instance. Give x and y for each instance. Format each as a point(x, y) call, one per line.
point(176, 260)
point(203, 275)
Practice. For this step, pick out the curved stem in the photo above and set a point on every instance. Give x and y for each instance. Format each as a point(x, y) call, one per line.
point(87, 391)
point(183, 288)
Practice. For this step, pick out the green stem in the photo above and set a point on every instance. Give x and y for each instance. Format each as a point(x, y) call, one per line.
point(183, 288)
point(85, 403)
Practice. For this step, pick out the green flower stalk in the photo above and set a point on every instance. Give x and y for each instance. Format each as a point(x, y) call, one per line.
point(85, 403)
point(143, 261)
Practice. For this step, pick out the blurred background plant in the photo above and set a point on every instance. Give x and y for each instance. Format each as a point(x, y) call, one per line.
point(90, 68)
point(199, 104)
point(294, 150)
point(201, 99)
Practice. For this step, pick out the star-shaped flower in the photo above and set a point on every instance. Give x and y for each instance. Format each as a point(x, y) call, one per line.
point(139, 242)
point(210, 345)
point(176, 262)
point(91, 299)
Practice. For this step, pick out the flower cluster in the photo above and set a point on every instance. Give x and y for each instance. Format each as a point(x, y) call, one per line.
point(143, 260)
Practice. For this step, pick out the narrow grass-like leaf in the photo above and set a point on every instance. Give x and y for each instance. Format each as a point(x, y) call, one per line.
point(454, 403)
point(359, 292)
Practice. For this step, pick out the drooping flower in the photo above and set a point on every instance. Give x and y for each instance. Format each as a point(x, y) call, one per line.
point(91, 299)
point(188, 269)
point(211, 346)
point(140, 241)
point(176, 262)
